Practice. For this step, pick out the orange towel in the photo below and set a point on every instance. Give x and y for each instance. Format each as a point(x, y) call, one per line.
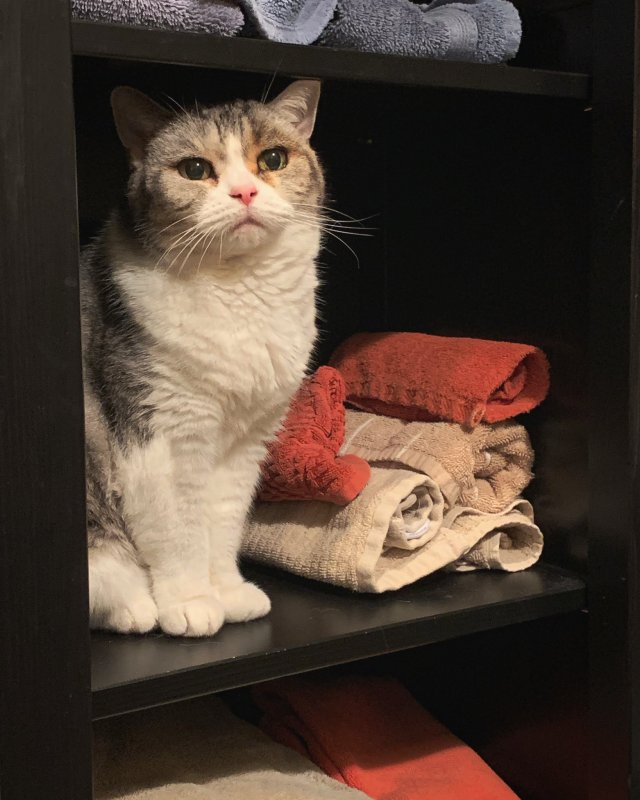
point(303, 463)
point(371, 734)
point(419, 377)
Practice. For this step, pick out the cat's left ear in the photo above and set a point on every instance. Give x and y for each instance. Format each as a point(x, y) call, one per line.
point(137, 118)
point(298, 104)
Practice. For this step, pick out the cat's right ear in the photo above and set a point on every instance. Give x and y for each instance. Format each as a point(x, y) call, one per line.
point(137, 119)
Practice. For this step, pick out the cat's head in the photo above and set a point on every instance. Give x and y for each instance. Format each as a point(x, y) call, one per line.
point(222, 181)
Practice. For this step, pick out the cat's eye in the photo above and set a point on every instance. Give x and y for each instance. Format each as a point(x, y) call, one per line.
point(195, 169)
point(273, 159)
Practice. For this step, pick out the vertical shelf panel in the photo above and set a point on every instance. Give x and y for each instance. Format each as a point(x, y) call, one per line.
point(615, 400)
point(45, 733)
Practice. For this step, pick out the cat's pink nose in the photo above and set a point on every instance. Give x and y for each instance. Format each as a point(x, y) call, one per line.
point(244, 193)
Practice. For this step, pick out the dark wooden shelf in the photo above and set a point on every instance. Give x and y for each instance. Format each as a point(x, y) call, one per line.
point(252, 55)
point(313, 626)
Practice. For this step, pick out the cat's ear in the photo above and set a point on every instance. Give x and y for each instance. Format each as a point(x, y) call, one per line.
point(137, 119)
point(298, 105)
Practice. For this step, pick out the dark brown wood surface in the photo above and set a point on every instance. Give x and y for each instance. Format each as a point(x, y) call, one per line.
point(45, 734)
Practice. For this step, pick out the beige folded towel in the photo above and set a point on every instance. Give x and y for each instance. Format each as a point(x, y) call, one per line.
point(353, 546)
point(510, 541)
point(200, 751)
point(485, 468)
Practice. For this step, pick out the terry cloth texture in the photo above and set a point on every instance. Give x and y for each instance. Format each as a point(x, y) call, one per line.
point(302, 462)
point(511, 541)
point(373, 735)
point(200, 751)
point(486, 31)
point(485, 468)
point(416, 376)
point(367, 546)
point(291, 21)
point(220, 17)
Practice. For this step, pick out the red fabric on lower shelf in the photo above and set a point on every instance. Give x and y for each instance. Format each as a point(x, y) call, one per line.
point(372, 734)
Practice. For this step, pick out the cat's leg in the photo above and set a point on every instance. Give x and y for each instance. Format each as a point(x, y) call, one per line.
point(163, 486)
point(119, 592)
point(229, 501)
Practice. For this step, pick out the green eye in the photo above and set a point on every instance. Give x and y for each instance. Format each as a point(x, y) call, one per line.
point(195, 169)
point(273, 159)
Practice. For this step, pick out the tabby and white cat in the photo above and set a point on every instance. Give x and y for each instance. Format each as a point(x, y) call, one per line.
point(198, 322)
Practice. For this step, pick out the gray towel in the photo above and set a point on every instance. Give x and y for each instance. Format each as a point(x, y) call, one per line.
point(221, 17)
point(472, 30)
point(291, 21)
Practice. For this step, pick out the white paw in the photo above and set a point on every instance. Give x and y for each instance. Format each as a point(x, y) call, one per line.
point(198, 616)
point(244, 602)
point(138, 616)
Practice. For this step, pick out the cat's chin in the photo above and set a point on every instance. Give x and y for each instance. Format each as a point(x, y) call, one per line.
point(247, 236)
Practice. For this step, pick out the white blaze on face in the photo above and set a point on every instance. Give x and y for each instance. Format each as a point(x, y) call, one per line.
point(236, 175)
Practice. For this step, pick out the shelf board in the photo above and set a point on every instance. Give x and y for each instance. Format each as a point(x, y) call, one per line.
point(253, 55)
point(312, 625)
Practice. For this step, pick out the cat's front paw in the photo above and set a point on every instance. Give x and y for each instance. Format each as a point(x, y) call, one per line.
point(197, 616)
point(244, 602)
point(138, 616)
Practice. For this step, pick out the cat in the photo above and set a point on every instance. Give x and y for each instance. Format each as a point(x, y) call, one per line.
point(198, 320)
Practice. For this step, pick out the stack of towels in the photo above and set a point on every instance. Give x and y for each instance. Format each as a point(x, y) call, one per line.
point(199, 750)
point(402, 458)
point(468, 30)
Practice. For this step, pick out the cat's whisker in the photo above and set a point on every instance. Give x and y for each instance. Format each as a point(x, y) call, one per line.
point(335, 236)
point(176, 103)
point(179, 239)
point(182, 219)
point(337, 224)
point(328, 227)
point(183, 248)
point(335, 211)
point(198, 240)
point(211, 239)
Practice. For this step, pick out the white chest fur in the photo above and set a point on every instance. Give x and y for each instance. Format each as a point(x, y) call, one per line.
point(226, 350)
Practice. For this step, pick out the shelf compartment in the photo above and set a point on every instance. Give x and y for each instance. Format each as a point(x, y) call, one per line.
point(253, 55)
point(312, 625)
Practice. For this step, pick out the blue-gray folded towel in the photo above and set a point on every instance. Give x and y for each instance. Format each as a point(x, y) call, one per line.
point(486, 31)
point(221, 17)
point(291, 21)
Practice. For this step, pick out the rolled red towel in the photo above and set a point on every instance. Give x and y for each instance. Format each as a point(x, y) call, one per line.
point(303, 462)
point(420, 377)
point(371, 734)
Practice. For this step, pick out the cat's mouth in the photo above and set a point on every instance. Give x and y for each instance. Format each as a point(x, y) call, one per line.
point(247, 222)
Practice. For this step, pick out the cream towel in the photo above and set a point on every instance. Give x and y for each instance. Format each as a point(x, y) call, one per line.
point(353, 546)
point(485, 468)
point(200, 751)
point(510, 541)
point(364, 546)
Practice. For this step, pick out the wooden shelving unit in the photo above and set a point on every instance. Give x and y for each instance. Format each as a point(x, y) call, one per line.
point(313, 626)
point(519, 222)
point(167, 47)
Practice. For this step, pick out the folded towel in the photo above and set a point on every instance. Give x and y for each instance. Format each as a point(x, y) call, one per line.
point(200, 751)
point(416, 376)
point(220, 17)
point(472, 30)
point(366, 546)
point(392, 535)
point(292, 21)
point(373, 735)
point(511, 541)
point(485, 468)
point(302, 463)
